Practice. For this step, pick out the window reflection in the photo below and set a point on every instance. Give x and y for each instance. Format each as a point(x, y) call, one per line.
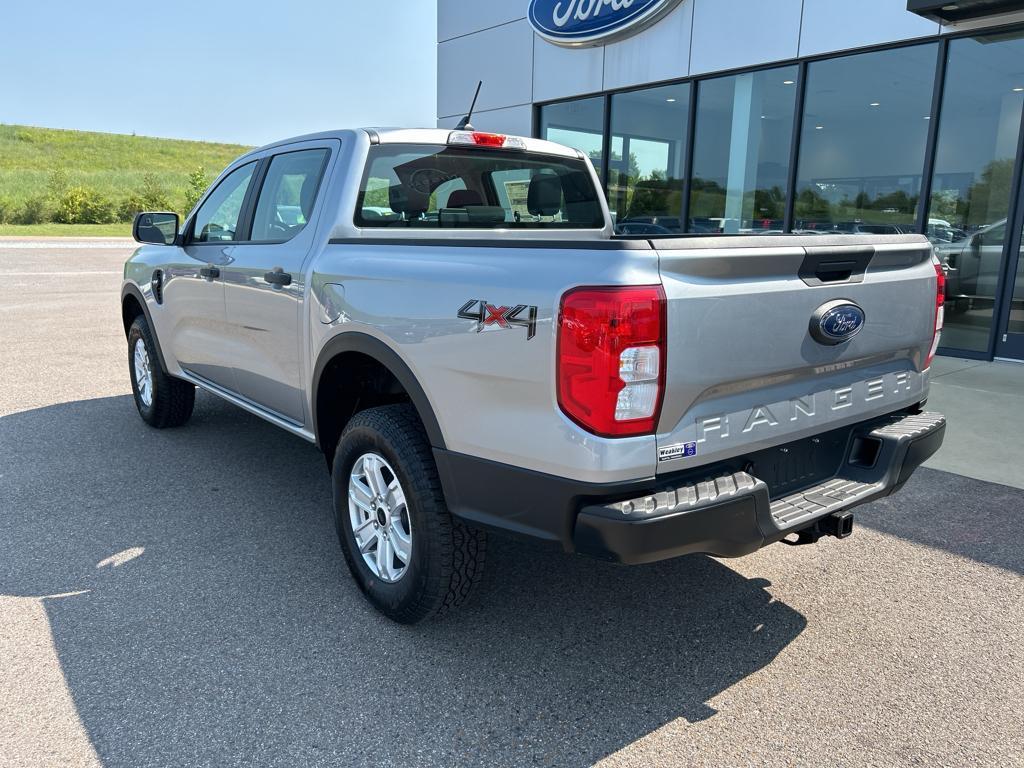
point(978, 130)
point(863, 141)
point(578, 124)
point(648, 154)
point(741, 152)
point(1016, 319)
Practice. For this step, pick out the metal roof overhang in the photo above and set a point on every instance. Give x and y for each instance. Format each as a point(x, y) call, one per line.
point(952, 11)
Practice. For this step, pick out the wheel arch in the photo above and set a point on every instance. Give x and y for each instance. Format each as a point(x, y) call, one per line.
point(133, 304)
point(354, 343)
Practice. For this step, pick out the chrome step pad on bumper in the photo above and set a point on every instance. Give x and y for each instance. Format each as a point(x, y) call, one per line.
point(820, 500)
point(839, 493)
point(912, 426)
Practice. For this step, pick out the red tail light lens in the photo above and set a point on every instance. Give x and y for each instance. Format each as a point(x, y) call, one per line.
point(491, 140)
point(611, 358)
point(940, 309)
point(488, 139)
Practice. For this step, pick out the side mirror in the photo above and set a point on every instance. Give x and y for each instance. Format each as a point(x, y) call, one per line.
point(156, 228)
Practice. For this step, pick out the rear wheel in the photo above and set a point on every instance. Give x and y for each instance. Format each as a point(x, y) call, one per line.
point(163, 401)
point(409, 556)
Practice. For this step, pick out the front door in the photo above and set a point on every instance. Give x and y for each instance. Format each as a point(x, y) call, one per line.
point(194, 283)
point(265, 282)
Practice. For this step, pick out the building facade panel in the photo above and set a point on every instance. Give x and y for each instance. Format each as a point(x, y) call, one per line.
point(839, 25)
point(458, 17)
point(757, 33)
point(560, 72)
point(517, 121)
point(661, 52)
point(501, 57)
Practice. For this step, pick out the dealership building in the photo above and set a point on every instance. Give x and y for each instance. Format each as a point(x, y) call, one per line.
point(767, 116)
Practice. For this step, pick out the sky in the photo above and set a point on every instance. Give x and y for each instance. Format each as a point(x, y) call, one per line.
point(240, 71)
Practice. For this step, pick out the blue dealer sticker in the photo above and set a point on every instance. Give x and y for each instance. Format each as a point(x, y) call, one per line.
point(679, 451)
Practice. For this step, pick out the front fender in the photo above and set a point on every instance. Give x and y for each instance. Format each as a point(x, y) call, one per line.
point(132, 291)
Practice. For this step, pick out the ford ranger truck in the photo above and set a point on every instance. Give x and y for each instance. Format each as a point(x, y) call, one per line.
point(450, 318)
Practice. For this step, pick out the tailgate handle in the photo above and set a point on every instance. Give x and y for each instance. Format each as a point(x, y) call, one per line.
point(824, 265)
point(835, 271)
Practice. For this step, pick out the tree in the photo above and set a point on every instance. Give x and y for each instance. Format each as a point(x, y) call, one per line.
point(83, 205)
point(57, 185)
point(811, 205)
point(153, 194)
point(988, 198)
point(769, 203)
point(197, 184)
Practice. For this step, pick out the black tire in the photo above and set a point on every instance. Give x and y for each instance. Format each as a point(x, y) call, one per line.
point(447, 556)
point(172, 399)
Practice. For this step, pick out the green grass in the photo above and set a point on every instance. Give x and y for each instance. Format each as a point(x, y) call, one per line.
point(66, 230)
point(112, 164)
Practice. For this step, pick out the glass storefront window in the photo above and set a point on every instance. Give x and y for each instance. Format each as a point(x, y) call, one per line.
point(578, 124)
point(647, 160)
point(743, 139)
point(978, 130)
point(863, 140)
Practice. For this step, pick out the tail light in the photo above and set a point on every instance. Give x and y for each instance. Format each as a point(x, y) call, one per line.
point(940, 309)
point(611, 358)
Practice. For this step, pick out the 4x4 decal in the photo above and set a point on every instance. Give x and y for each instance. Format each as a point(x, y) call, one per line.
point(486, 314)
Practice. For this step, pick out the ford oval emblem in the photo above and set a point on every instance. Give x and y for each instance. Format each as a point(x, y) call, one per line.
point(578, 23)
point(836, 322)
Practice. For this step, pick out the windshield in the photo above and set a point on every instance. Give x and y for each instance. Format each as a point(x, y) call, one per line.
point(458, 187)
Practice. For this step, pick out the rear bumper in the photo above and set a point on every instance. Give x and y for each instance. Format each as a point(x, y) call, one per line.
point(724, 511)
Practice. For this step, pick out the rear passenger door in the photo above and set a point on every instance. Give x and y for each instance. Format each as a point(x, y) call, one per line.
point(264, 285)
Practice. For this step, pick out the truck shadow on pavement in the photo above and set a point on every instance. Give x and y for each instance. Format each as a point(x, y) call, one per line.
point(207, 616)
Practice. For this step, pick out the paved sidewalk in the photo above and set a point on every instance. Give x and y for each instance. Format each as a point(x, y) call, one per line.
point(984, 406)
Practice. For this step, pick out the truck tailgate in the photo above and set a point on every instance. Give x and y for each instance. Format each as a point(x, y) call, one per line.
point(743, 371)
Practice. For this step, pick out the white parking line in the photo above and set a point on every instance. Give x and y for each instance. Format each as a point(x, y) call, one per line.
point(68, 245)
point(56, 274)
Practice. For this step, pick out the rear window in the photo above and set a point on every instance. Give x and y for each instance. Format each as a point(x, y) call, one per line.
point(434, 187)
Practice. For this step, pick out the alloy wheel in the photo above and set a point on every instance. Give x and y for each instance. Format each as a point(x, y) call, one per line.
point(380, 518)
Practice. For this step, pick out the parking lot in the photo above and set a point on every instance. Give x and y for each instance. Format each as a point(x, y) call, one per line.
point(178, 598)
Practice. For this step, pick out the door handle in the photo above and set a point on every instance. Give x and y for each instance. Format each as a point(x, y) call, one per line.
point(278, 278)
point(210, 273)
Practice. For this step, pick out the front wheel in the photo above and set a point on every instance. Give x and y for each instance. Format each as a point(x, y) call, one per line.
point(163, 401)
point(409, 556)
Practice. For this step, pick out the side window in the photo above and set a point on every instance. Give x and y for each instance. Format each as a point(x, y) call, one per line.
point(376, 205)
point(217, 219)
point(288, 195)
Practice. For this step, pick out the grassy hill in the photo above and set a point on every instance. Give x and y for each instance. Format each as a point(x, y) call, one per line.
point(50, 176)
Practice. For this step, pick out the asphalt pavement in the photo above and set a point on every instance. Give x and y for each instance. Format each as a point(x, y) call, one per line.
point(178, 598)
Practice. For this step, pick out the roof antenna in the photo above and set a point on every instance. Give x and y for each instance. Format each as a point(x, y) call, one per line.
point(464, 124)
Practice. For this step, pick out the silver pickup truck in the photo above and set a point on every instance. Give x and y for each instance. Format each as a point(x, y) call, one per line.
point(450, 318)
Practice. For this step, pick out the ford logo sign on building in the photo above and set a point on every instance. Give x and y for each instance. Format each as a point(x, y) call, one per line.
point(578, 23)
point(836, 322)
